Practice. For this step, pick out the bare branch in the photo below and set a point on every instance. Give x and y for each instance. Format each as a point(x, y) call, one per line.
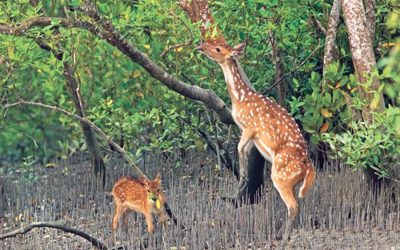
point(95, 242)
point(318, 24)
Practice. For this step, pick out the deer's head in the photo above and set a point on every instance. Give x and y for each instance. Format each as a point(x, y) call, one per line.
point(221, 52)
point(155, 194)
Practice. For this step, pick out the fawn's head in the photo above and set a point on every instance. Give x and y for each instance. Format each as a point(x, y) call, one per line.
point(220, 52)
point(154, 190)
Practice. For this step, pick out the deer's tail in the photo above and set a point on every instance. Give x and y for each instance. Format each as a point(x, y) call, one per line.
point(307, 182)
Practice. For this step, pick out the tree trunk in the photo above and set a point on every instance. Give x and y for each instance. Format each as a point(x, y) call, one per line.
point(370, 15)
point(74, 89)
point(363, 56)
point(251, 175)
point(333, 23)
point(364, 63)
point(90, 137)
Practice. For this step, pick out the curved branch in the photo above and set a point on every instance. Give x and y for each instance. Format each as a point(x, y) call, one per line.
point(39, 22)
point(95, 242)
point(113, 37)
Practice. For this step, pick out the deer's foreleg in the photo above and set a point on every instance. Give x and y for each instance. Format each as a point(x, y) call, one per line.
point(150, 223)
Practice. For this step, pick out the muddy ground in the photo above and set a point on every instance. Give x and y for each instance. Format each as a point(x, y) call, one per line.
point(340, 212)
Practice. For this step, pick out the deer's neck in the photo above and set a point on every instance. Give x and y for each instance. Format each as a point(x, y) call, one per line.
point(238, 85)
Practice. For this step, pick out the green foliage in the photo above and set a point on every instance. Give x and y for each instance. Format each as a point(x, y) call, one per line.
point(373, 145)
point(324, 107)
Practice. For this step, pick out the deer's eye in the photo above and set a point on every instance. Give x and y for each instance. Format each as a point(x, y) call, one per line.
point(218, 50)
point(148, 190)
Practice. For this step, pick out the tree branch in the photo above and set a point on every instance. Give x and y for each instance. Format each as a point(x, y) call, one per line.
point(109, 34)
point(318, 24)
point(294, 70)
point(38, 22)
point(206, 96)
point(103, 135)
point(95, 242)
point(279, 68)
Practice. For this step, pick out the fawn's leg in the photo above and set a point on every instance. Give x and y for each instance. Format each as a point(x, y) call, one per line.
point(125, 212)
point(149, 220)
point(117, 215)
point(162, 218)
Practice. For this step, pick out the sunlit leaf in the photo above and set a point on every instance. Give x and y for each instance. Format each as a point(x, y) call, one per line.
point(325, 113)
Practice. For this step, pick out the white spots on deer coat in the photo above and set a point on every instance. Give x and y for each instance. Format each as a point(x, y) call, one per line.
point(228, 73)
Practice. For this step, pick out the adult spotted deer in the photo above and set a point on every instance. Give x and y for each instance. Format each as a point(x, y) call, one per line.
point(268, 125)
point(140, 195)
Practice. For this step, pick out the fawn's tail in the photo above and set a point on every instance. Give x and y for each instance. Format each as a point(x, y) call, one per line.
point(307, 182)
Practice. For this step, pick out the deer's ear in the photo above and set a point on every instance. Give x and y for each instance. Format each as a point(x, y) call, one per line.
point(143, 180)
point(239, 49)
point(158, 177)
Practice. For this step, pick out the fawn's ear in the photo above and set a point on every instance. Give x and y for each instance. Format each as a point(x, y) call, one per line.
point(143, 180)
point(238, 50)
point(158, 178)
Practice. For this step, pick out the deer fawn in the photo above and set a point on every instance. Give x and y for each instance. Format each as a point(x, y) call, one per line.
point(268, 125)
point(141, 195)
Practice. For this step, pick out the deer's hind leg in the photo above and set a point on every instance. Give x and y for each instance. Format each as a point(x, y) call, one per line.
point(125, 212)
point(116, 218)
point(285, 177)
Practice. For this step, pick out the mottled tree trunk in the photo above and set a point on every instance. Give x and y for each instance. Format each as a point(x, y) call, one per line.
point(364, 62)
point(362, 54)
point(329, 54)
point(370, 16)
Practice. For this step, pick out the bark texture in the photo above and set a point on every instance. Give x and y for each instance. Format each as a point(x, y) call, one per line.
point(370, 16)
point(333, 23)
point(362, 54)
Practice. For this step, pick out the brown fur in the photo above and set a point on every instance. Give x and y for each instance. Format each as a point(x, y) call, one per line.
point(134, 194)
point(266, 124)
